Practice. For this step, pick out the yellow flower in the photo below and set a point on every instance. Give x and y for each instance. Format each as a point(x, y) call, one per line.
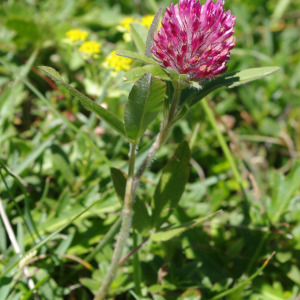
point(125, 28)
point(90, 48)
point(147, 20)
point(126, 24)
point(77, 35)
point(117, 62)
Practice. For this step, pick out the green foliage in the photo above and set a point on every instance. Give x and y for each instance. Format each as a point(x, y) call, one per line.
point(141, 219)
point(171, 185)
point(138, 56)
point(153, 28)
point(135, 73)
point(145, 101)
point(139, 33)
point(230, 80)
point(63, 171)
point(103, 113)
point(169, 233)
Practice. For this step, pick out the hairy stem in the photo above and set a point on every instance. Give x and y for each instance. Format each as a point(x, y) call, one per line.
point(131, 185)
point(162, 136)
point(124, 232)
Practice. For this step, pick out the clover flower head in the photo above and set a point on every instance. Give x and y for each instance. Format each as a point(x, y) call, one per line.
point(90, 48)
point(77, 35)
point(195, 39)
point(117, 63)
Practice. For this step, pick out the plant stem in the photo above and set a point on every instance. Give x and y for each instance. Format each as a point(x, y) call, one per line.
point(162, 136)
point(132, 252)
point(131, 185)
point(16, 247)
point(125, 228)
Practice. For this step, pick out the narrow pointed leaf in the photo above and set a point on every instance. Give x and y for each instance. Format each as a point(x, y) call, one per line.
point(284, 189)
point(152, 30)
point(140, 220)
point(156, 71)
point(119, 181)
point(244, 282)
point(144, 103)
point(33, 155)
point(29, 294)
point(104, 114)
point(169, 233)
point(171, 185)
point(139, 35)
point(137, 56)
point(229, 80)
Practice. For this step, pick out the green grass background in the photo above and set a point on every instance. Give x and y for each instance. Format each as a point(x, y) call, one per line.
point(56, 159)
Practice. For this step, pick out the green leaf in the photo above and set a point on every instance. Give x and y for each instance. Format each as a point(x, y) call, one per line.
point(33, 155)
point(64, 245)
point(60, 163)
point(144, 103)
point(5, 284)
point(91, 284)
point(279, 11)
point(141, 220)
point(139, 34)
point(294, 274)
point(62, 202)
point(119, 181)
point(137, 56)
point(50, 236)
point(190, 294)
point(135, 73)
point(29, 294)
point(169, 233)
point(244, 282)
point(229, 80)
point(153, 28)
point(248, 75)
point(284, 189)
point(110, 118)
point(171, 185)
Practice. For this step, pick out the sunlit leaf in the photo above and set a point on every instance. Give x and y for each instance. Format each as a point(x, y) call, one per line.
point(169, 233)
point(103, 113)
point(229, 80)
point(144, 103)
point(135, 73)
point(139, 34)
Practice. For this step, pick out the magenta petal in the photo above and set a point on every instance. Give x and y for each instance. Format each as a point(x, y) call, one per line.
point(195, 39)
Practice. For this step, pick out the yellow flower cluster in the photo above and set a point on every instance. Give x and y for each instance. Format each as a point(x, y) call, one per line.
point(125, 25)
point(116, 62)
point(147, 20)
point(77, 35)
point(90, 48)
